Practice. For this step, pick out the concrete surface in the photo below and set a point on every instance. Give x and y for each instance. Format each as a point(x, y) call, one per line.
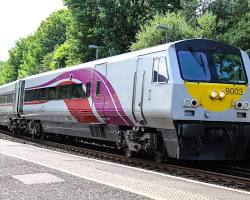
point(105, 176)
point(22, 180)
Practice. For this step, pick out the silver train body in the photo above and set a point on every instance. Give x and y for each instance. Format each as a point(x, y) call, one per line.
point(185, 100)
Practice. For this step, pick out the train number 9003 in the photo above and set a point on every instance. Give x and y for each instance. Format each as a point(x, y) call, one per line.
point(234, 91)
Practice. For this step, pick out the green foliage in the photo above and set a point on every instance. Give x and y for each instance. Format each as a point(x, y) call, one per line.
point(206, 25)
point(229, 13)
point(7, 73)
point(178, 28)
point(30, 55)
point(239, 34)
point(111, 24)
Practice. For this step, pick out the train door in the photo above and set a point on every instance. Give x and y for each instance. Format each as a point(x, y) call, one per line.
point(98, 95)
point(138, 92)
point(158, 94)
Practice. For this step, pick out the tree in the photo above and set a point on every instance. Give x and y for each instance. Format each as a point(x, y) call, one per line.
point(239, 34)
point(228, 13)
point(8, 73)
point(29, 55)
point(178, 28)
point(206, 26)
point(111, 24)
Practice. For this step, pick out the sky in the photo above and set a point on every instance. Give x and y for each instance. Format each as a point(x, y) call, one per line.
point(19, 18)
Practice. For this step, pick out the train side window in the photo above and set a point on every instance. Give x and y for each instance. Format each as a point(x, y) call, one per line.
point(42, 94)
point(9, 98)
point(160, 73)
point(88, 89)
point(63, 92)
point(51, 93)
point(29, 95)
point(5, 98)
point(77, 91)
point(36, 95)
point(1, 99)
point(98, 88)
point(155, 69)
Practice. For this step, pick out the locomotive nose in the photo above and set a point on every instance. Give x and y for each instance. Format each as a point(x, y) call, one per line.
point(218, 97)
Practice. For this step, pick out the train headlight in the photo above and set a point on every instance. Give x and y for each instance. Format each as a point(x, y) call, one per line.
point(222, 94)
point(213, 94)
point(194, 103)
point(187, 102)
point(246, 105)
point(238, 105)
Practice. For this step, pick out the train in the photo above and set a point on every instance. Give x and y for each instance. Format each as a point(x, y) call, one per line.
point(185, 100)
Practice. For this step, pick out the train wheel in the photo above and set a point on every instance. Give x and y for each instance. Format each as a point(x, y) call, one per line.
point(128, 153)
point(10, 126)
point(16, 132)
point(42, 135)
point(35, 129)
point(158, 157)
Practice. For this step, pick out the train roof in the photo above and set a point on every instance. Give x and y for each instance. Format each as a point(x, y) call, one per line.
point(8, 84)
point(116, 58)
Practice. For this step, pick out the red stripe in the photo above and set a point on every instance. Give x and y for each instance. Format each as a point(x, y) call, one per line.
point(81, 110)
point(35, 102)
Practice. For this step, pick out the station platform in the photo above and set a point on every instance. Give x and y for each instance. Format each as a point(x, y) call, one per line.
point(28, 172)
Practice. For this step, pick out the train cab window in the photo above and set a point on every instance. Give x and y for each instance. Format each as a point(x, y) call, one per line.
point(194, 65)
point(63, 92)
point(228, 67)
point(98, 88)
point(160, 73)
point(77, 91)
point(51, 93)
point(88, 89)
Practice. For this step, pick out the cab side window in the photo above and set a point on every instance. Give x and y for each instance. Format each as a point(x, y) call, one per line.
point(98, 88)
point(160, 73)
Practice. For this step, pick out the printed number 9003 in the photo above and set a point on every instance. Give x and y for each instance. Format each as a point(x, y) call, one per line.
point(234, 91)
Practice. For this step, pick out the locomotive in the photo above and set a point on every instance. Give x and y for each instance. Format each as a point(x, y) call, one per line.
point(186, 100)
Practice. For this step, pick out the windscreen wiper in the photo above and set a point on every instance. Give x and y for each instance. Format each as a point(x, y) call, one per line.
point(197, 58)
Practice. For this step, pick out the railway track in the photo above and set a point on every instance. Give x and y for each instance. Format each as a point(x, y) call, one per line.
point(229, 176)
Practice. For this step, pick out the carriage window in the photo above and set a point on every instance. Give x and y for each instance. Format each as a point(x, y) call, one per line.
point(7, 98)
point(77, 91)
point(42, 94)
point(10, 98)
point(63, 92)
point(1, 99)
point(160, 74)
point(51, 93)
point(29, 95)
point(98, 88)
